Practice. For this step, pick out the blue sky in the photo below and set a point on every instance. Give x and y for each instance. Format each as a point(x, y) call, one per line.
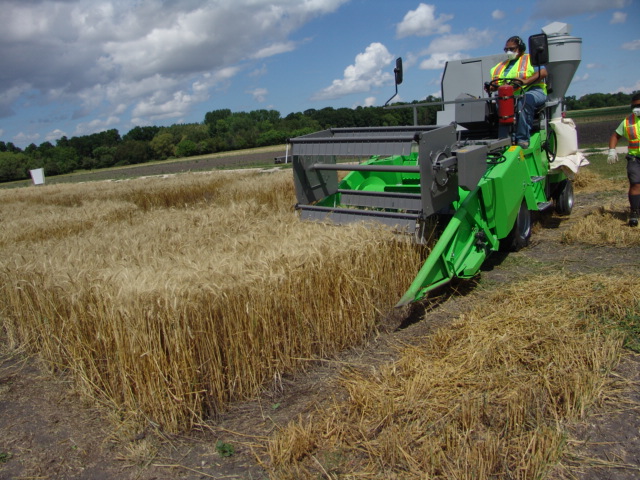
point(76, 67)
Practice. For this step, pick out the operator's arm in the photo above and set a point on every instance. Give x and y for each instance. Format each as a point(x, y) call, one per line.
point(537, 77)
point(613, 140)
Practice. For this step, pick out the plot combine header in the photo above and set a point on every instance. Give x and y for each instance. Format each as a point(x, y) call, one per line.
point(482, 188)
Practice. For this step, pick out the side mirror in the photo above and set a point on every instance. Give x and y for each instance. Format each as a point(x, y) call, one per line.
point(398, 71)
point(398, 74)
point(539, 49)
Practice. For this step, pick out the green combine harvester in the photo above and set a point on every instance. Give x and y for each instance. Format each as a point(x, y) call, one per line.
point(481, 188)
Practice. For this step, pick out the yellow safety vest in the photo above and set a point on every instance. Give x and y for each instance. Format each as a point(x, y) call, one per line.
point(521, 69)
point(632, 131)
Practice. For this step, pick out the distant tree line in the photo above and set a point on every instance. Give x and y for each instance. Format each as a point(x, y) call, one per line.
point(221, 130)
point(598, 100)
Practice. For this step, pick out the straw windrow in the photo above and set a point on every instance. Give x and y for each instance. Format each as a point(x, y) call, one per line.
point(486, 396)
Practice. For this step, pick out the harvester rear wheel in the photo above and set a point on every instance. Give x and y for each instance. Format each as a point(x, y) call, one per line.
point(520, 234)
point(564, 199)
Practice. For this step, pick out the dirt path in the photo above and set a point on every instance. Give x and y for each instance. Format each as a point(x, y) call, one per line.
point(48, 431)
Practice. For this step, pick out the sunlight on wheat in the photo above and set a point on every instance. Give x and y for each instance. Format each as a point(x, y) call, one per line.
point(174, 296)
point(483, 397)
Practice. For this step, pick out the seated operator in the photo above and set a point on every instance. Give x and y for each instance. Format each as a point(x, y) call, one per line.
point(518, 65)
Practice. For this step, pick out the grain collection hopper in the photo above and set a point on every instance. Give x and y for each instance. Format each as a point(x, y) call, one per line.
point(480, 188)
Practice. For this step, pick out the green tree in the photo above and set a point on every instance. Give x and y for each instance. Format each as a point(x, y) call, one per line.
point(86, 144)
point(133, 151)
point(13, 166)
point(272, 137)
point(162, 145)
point(141, 134)
point(101, 157)
point(212, 118)
point(61, 160)
point(186, 148)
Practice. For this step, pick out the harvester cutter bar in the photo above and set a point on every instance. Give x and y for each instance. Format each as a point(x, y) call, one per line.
point(340, 216)
point(365, 168)
point(392, 200)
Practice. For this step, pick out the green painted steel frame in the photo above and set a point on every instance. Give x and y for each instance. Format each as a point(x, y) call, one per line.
point(483, 217)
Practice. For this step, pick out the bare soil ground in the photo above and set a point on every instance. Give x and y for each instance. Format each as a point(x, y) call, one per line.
point(48, 431)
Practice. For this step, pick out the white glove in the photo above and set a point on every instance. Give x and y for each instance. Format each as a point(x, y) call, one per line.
point(613, 156)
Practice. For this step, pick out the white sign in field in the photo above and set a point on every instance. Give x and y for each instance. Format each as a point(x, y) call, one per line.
point(37, 175)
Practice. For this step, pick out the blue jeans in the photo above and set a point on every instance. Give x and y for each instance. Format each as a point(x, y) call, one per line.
point(527, 105)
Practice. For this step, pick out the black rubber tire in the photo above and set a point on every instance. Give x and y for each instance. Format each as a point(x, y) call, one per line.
point(565, 198)
point(520, 234)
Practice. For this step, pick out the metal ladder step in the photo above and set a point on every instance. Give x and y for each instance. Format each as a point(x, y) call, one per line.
point(537, 179)
point(544, 205)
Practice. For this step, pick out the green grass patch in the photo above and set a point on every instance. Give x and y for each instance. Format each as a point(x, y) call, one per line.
point(598, 164)
point(630, 325)
point(225, 449)
point(599, 114)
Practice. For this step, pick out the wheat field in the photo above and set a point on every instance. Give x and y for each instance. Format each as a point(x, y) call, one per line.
point(170, 297)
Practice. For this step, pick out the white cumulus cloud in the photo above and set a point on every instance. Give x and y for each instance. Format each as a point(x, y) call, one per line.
point(369, 101)
point(26, 138)
point(53, 135)
point(469, 40)
point(618, 17)
point(453, 47)
point(157, 57)
point(423, 22)
point(632, 45)
point(259, 94)
point(437, 61)
point(629, 89)
point(368, 71)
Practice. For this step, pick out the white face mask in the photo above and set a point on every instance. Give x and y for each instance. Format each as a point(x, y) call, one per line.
point(512, 55)
point(636, 111)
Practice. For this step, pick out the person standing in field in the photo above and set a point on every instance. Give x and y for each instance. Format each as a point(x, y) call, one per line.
point(629, 128)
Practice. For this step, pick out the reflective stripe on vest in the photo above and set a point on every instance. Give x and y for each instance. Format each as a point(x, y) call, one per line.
point(631, 129)
point(523, 69)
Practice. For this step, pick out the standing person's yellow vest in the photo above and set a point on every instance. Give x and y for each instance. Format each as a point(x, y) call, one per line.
point(522, 68)
point(632, 132)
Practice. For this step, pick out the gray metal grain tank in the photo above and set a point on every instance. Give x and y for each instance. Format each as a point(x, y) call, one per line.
point(565, 53)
